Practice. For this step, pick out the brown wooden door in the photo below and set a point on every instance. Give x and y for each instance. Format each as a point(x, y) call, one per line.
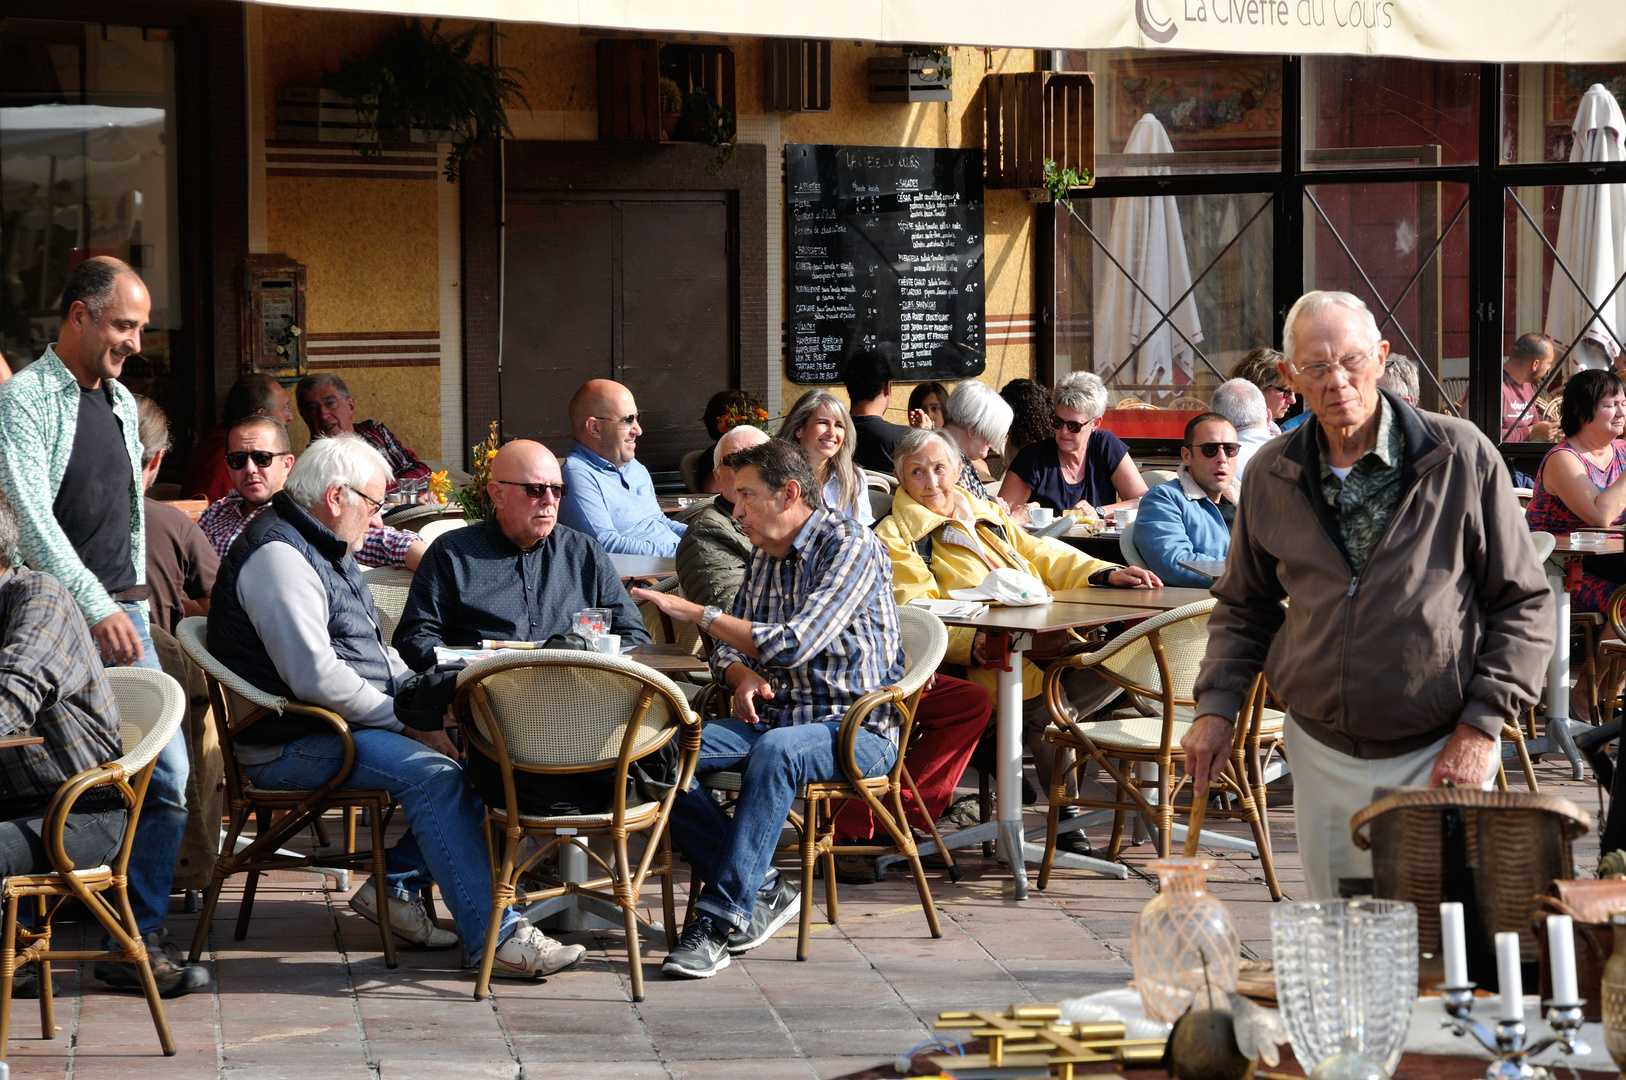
point(633, 287)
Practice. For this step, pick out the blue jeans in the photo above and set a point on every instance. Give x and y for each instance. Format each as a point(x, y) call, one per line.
point(444, 842)
point(163, 811)
point(733, 855)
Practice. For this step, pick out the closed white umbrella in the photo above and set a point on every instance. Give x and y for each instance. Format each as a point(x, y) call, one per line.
point(98, 132)
point(1146, 240)
point(1592, 238)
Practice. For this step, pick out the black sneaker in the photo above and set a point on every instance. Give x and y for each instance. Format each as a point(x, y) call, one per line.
point(775, 907)
point(174, 975)
point(701, 952)
point(1074, 842)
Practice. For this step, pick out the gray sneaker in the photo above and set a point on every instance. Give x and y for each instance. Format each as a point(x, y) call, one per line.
point(408, 919)
point(775, 907)
point(701, 952)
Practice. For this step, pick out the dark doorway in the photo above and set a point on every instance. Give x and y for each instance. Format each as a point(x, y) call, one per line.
point(637, 287)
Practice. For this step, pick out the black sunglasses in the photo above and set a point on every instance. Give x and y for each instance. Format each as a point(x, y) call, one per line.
point(1209, 449)
point(540, 491)
point(263, 458)
point(1071, 425)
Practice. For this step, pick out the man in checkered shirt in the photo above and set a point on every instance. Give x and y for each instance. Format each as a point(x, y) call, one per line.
point(814, 628)
point(258, 458)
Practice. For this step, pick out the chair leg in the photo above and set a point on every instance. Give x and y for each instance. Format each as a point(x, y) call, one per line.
point(1051, 821)
point(629, 917)
point(1261, 828)
point(1165, 813)
point(246, 906)
point(8, 968)
point(804, 930)
point(985, 809)
point(149, 988)
point(1501, 777)
point(954, 873)
point(499, 904)
point(42, 924)
point(381, 889)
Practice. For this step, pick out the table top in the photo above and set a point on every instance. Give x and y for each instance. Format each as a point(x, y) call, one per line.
point(673, 505)
point(1154, 599)
point(667, 659)
point(1041, 618)
point(643, 566)
point(1612, 546)
point(1209, 568)
point(9, 741)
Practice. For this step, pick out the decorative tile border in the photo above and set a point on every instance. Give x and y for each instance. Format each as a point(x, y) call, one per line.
point(1010, 329)
point(408, 348)
point(398, 161)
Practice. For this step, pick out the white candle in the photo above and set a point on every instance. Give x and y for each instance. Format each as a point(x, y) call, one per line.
point(1561, 948)
point(1456, 950)
point(1510, 976)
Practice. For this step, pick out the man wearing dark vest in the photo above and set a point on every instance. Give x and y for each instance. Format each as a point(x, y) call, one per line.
point(291, 614)
point(70, 461)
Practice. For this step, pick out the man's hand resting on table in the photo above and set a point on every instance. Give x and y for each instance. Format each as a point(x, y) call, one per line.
point(1465, 760)
point(1208, 747)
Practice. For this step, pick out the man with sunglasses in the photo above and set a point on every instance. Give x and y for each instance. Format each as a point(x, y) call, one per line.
point(1419, 620)
point(1181, 519)
point(612, 498)
point(258, 457)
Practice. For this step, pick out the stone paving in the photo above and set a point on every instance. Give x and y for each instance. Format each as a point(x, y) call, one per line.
point(307, 997)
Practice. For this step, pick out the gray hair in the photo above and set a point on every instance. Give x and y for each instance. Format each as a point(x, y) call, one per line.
point(841, 466)
point(1311, 305)
point(916, 441)
point(977, 408)
point(1400, 377)
point(345, 459)
point(717, 453)
point(9, 538)
point(311, 384)
point(152, 428)
point(1242, 403)
point(1083, 393)
point(92, 283)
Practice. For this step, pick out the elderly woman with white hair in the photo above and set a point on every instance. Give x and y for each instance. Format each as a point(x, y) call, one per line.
point(975, 419)
point(1081, 467)
point(941, 537)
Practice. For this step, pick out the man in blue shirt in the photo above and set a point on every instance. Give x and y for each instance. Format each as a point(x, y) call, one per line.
point(612, 498)
point(1181, 519)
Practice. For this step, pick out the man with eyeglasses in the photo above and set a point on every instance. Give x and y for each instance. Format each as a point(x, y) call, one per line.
point(612, 498)
point(291, 615)
point(258, 457)
point(1419, 620)
point(327, 407)
point(1181, 520)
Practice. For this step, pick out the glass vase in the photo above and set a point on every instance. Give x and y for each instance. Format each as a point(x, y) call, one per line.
point(1613, 986)
point(1183, 946)
point(1346, 977)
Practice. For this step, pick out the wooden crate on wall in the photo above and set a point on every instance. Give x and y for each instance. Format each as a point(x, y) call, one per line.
point(701, 67)
point(629, 98)
point(1033, 115)
point(795, 75)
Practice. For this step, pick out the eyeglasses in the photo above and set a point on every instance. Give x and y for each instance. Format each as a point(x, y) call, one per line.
point(1071, 425)
point(376, 504)
point(629, 419)
point(540, 491)
point(1209, 449)
point(1352, 365)
point(327, 403)
point(239, 458)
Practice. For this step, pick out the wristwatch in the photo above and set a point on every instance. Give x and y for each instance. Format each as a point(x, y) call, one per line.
point(709, 616)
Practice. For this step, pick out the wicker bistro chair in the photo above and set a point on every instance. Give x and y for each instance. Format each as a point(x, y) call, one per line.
point(664, 630)
point(389, 586)
point(562, 711)
point(151, 707)
point(1156, 661)
point(279, 815)
point(925, 640)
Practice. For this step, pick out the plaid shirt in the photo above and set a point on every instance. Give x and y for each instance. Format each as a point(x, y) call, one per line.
point(825, 624)
point(403, 462)
point(51, 685)
point(225, 521)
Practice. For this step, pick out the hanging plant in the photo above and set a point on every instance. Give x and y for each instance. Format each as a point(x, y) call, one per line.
point(1061, 182)
point(711, 124)
point(939, 58)
point(419, 78)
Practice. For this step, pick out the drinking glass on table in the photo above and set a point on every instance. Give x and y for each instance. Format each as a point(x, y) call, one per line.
point(591, 622)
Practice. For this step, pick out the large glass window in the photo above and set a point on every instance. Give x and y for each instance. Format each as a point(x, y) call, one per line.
point(88, 167)
point(1367, 112)
point(1540, 103)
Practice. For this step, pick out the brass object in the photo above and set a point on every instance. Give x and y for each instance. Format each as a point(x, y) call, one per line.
point(1614, 994)
point(1048, 1044)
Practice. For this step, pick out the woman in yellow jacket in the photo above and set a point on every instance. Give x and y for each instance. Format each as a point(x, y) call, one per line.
point(966, 538)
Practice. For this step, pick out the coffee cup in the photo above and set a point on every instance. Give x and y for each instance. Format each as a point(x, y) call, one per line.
point(1041, 515)
point(1124, 517)
point(608, 643)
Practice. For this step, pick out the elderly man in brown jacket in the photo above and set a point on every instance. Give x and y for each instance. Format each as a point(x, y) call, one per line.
point(1419, 619)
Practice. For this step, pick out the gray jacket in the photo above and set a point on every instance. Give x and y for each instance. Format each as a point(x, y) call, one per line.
point(712, 554)
point(1451, 621)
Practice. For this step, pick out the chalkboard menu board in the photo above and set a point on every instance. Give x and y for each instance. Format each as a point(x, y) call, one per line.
point(885, 253)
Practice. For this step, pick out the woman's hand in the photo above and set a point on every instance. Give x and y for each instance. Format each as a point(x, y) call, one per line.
point(920, 418)
point(1134, 577)
point(1083, 507)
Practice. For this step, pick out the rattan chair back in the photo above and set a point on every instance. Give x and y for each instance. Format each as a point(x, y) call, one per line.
point(663, 629)
point(389, 586)
point(1159, 657)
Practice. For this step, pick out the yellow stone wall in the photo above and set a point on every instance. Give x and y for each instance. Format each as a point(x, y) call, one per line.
point(371, 245)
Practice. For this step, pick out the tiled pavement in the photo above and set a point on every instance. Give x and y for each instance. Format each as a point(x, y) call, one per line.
point(307, 997)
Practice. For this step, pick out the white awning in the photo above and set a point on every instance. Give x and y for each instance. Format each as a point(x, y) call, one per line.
point(1505, 31)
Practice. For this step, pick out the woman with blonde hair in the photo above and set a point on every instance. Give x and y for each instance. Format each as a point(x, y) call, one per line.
point(821, 425)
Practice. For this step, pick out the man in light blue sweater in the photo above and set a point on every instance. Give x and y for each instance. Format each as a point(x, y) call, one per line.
point(1181, 519)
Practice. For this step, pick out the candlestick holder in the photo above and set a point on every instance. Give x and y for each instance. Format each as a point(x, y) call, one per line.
point(1507, 1041)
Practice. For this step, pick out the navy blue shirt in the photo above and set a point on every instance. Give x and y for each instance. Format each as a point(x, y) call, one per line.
point(1039, 466)
point(475, 583)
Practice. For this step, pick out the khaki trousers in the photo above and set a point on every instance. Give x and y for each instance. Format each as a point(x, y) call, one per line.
point(1330, 788)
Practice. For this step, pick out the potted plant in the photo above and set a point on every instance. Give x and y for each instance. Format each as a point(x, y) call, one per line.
point(420, 83)
point(922, 73)
point(671, 97)
point(704, 120)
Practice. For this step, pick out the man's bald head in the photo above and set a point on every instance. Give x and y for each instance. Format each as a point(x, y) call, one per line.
point(604, 418)
point(520, 468)
point(733, 440)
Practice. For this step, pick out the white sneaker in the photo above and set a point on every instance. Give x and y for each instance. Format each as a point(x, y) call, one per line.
point(529, 953)
point(408, 919)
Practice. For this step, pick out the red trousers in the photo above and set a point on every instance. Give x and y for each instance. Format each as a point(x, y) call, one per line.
point(952, 716)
